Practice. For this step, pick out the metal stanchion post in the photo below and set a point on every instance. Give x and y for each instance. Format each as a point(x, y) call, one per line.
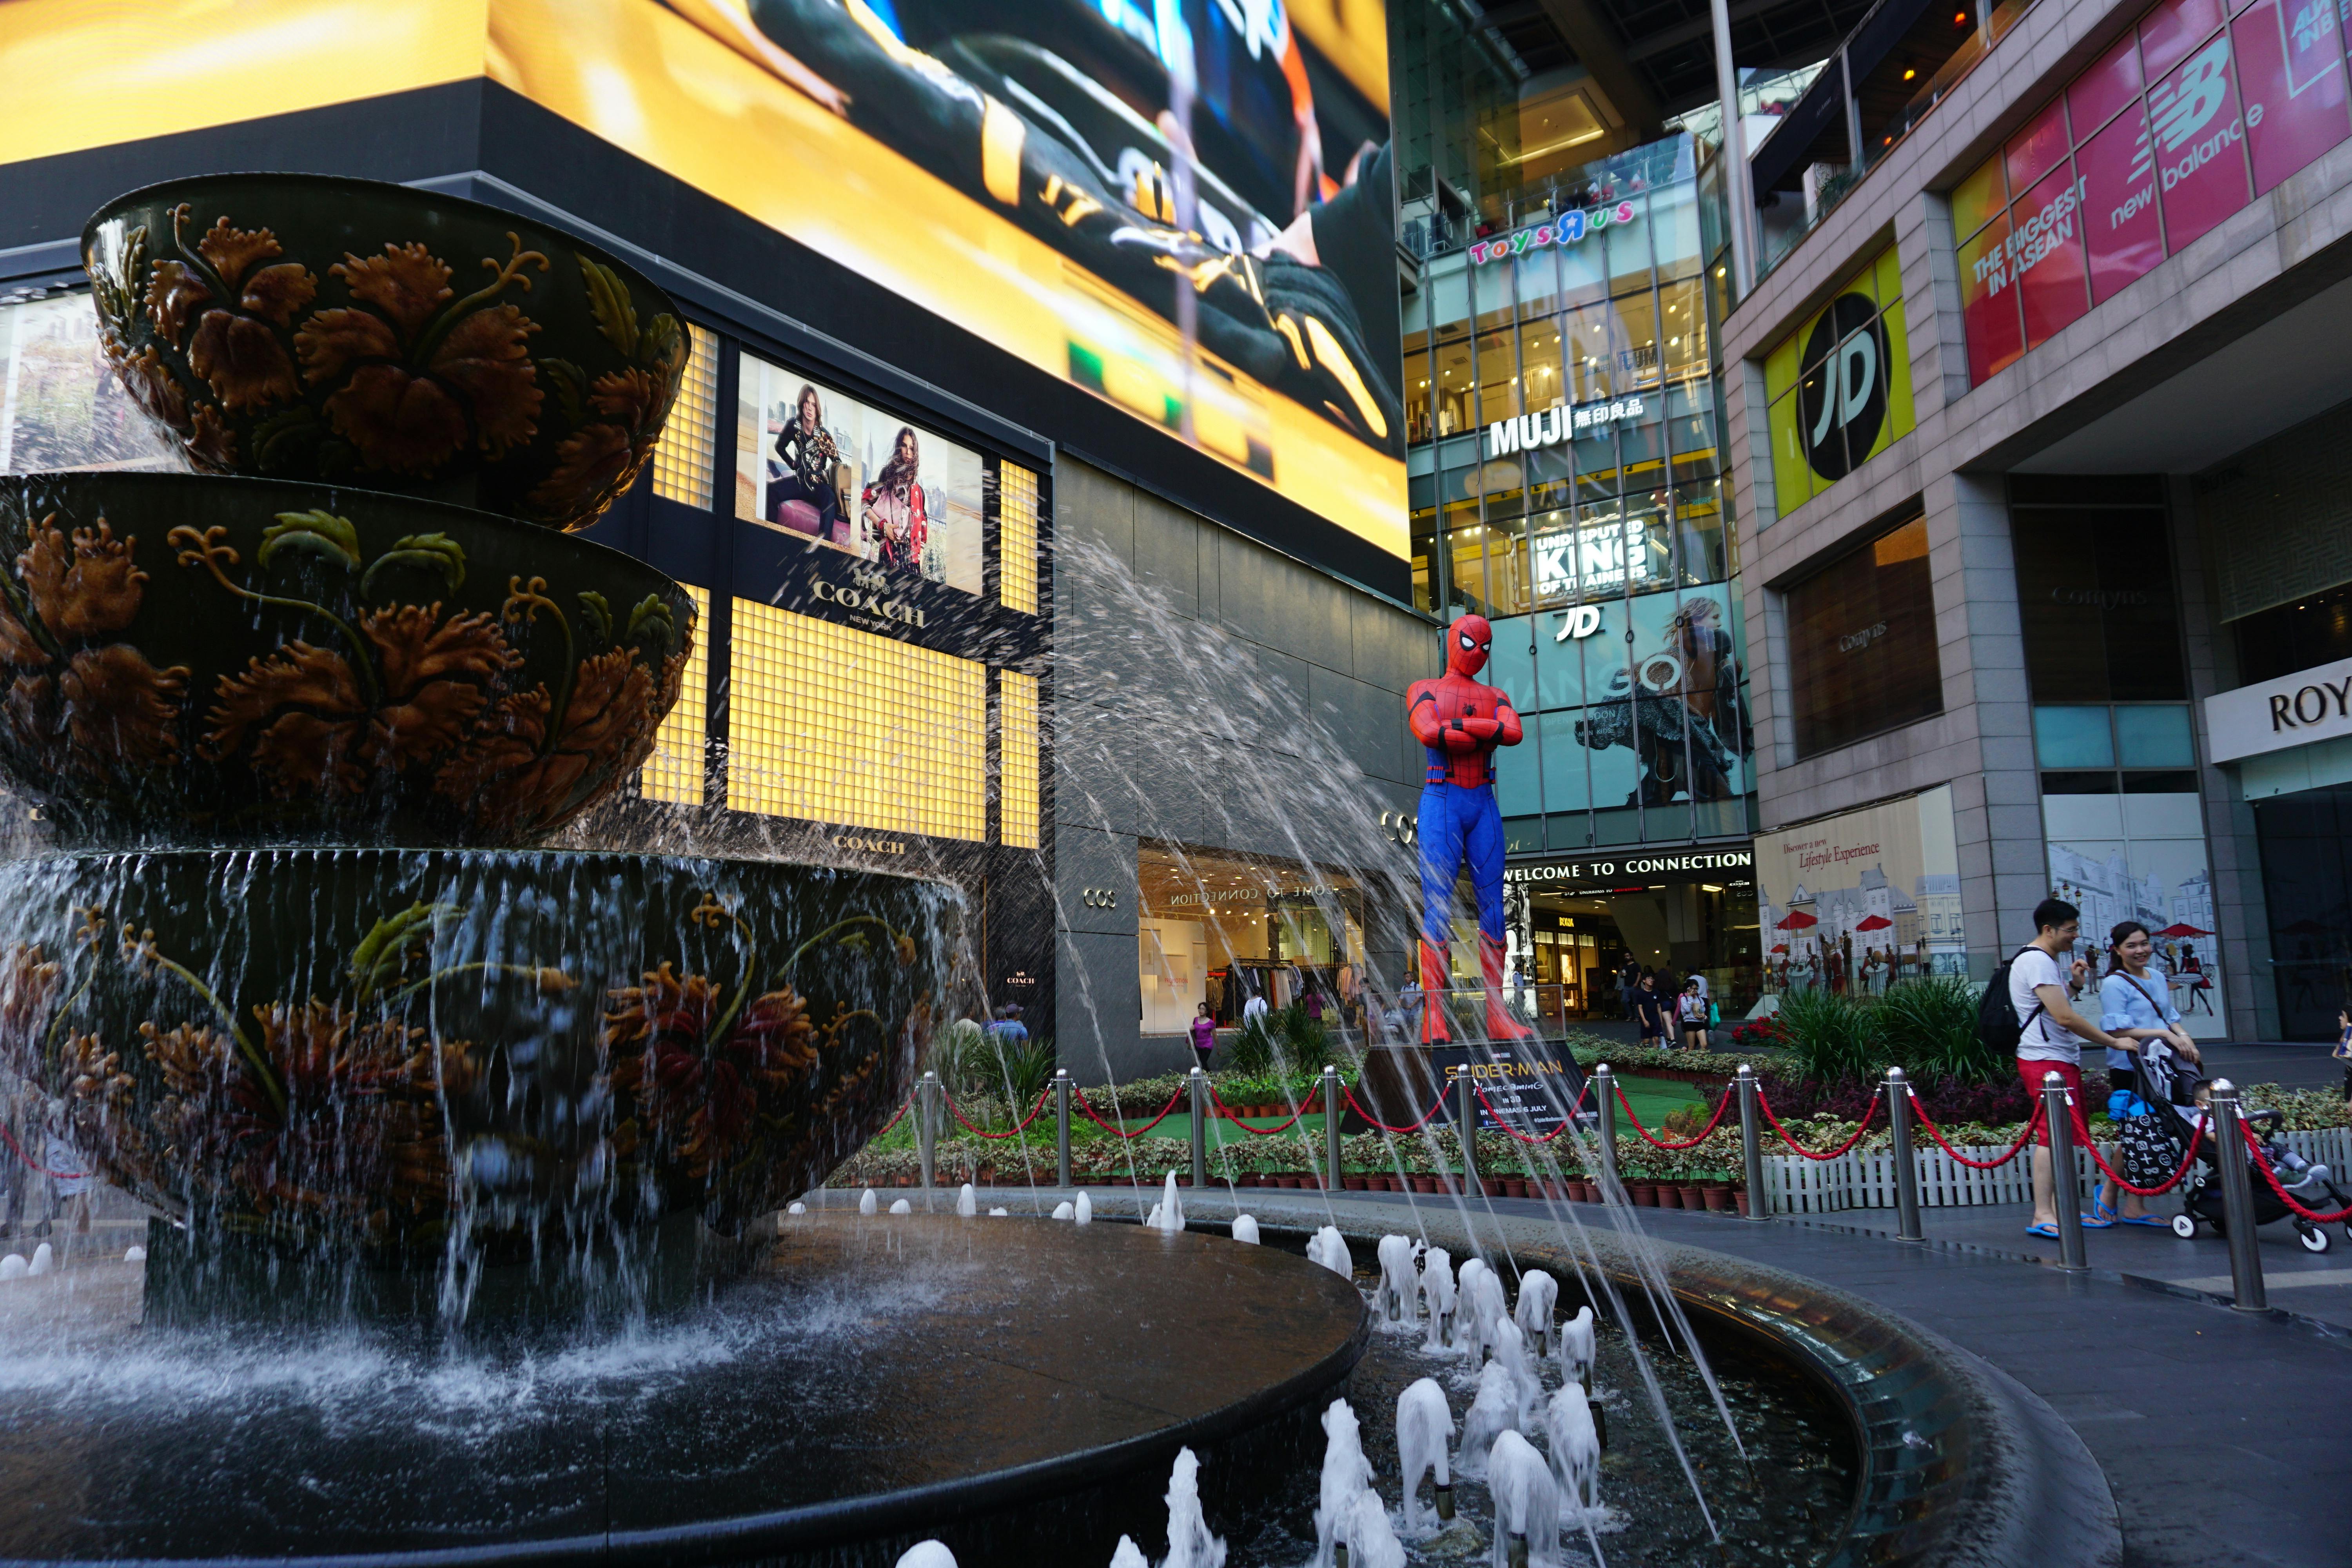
point(926, 1132)
point(1062, 1124)
point(2237, 1200)
point(2065, 1192)
point(1906, 1169)
point(1751, 1146)
point(1465, 1097)
point(1604, 1091)
point(1331, 1181)
point(1199, 1083)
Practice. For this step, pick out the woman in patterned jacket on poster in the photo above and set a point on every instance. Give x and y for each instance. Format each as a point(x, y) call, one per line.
point(801, 496)
point(896, 522)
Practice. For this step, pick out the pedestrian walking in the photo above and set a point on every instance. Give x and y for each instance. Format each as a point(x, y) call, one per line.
point(1204, 1034)
point(1650, 1010)
point(2135, 1006)
point(2043, 980)
point(2344, 1049)
point(1691, 1014)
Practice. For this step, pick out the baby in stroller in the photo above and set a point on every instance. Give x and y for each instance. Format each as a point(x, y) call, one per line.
point(2173, 1104)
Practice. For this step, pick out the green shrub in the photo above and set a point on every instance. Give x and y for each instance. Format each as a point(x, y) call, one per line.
point(1830, 1035)
point(1930, 1031)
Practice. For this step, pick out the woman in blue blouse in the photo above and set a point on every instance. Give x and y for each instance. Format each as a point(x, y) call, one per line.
point(2134, 1004)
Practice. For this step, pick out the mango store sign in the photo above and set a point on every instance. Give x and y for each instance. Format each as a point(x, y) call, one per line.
point(1566, 229)
point(2295, 710)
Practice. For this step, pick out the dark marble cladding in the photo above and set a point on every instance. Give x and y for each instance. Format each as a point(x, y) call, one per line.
point(1960, 1465)
point(1017, 1387)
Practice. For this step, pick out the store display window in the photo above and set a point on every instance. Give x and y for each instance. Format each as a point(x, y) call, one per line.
point(1221, 928)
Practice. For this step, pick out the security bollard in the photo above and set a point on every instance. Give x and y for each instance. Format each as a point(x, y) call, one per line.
point(2065, 1192)
point(2248, 1292)
point(1061, 1123)
point(1906, 1169)
point(1604, 1091)
point(925, 1132)
point(1465, 1095)
point(1331, 1182)
point(1751, 1146)
point(1200, 1087)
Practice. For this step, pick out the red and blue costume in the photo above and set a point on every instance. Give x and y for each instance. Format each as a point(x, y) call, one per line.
point(1462, 720)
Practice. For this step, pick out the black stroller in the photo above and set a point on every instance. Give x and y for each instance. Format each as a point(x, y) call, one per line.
point(2167, 1086)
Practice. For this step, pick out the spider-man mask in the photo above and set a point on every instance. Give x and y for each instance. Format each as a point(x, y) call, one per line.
point(1466, 641)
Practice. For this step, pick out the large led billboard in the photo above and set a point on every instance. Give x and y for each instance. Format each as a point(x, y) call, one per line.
point(1012, 167)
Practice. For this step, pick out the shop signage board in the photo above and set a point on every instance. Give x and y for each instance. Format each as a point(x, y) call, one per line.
point(1839, 387)
point(2295, 710)
point(1533, 1085)
point(1566, 229)
point(1598, 871)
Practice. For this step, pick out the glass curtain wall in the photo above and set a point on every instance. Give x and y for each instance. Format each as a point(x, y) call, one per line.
point(1595, 531)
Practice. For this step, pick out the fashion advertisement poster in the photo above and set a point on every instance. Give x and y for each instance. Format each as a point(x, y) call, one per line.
point(60, 405)
point(2142, 857)
point(812, 461)
point(1855, 902)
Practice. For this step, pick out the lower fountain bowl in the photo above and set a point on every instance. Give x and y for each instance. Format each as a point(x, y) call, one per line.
point(371, 1049)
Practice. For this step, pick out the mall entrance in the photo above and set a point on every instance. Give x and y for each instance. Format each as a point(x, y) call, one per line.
point(1574, 920)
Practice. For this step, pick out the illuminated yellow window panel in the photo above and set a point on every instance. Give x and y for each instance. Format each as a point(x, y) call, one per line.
point(1017, 759)
point(1016, 536)
point(690, 442)
point(674, 773)
point(828, 723)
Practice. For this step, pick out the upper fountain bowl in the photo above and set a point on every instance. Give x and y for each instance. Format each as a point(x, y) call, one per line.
point(186, 660)
point(305, 327)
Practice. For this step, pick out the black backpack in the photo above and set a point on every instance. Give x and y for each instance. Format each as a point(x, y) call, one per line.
point(1998, 1025)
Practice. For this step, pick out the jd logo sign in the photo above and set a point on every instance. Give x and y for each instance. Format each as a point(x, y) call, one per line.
point(1842, 401)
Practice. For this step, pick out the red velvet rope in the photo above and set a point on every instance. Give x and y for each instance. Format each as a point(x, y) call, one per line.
point(1234, 1117)
point(2032, 1123)
point(2263, 1163)
point(1035, 1112)
point(1080, 1095)
point(5, 1137)
point(894, 1120)
point(1426, 1116)
point(2083, 1131)
point(1864, 1127)
point(1713, 1121)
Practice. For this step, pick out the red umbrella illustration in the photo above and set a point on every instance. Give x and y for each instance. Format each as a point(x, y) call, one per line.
point(2183, 929)
point(1779, 947)
point(1873, 922)
point(1795, 919)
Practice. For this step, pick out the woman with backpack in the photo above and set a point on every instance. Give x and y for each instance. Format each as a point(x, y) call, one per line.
point(2134, 1006)
point(2040, 1024)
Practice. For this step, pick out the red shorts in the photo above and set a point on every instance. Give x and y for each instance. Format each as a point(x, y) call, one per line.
point(2032, 1072)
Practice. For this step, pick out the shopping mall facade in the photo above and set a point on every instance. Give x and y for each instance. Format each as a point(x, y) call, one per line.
point(2036, 423)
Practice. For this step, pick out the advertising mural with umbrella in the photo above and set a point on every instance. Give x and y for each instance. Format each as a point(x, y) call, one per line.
point(2160, 882)
point(1858, 901)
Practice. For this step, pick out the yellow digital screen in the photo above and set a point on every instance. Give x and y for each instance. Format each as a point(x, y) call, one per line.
point(674, 773)
point(1017, 748)
point(1008, 167)
point(828, 723)
point(690, 442)
point(1017, 538)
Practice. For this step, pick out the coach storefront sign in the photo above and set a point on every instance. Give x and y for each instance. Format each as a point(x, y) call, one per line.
point(1601, 873)
point(2272, 715)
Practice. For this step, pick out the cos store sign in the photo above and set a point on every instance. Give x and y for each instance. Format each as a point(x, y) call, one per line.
point(1839, 387)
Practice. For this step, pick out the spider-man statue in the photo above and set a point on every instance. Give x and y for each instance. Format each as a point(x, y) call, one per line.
point(1462, 720)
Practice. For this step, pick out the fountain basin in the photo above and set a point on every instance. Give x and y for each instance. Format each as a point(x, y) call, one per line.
point(372, 1049)
point(307, 327)
point(222, 660)
point(1019, 1385)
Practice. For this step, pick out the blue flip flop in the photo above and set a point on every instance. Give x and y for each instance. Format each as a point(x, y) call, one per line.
point(2144, 1219)
point(2092, 1222)
point(2051, 1231)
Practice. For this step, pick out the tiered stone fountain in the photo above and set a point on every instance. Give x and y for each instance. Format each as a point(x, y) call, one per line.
point(296, 720)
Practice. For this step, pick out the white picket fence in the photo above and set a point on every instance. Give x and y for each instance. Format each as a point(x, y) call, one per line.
point(1860, 1181)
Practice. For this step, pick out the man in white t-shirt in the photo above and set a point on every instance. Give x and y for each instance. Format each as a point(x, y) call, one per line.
point(2042, 981)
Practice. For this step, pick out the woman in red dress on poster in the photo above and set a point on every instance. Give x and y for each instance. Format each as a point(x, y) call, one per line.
point(896, 523)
